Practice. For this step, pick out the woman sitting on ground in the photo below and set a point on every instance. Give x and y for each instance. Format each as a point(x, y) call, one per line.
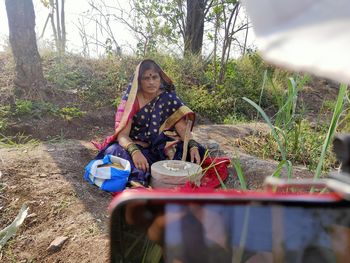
point(150, 124)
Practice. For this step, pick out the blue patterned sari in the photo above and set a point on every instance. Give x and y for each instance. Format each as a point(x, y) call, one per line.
point(153, 125)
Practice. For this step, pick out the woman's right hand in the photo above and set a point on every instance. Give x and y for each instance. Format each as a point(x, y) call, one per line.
point(140, 161)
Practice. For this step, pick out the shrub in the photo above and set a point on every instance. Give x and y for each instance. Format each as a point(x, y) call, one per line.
point(5, 111)
point(245, 78)
point(69, 113)
point(201, 102)
point(23, 107)
point(39, 109)
point(3, 124)
point(102, 81)
point(96, 81)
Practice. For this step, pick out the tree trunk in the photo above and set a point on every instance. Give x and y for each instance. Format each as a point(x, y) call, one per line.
point(21, 18)
point(63, 27)
point(58, 26)
point(194, 26)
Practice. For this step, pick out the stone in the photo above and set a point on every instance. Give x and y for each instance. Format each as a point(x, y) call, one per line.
point(57, 244)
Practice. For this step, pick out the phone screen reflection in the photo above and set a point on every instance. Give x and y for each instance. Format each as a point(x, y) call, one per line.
point(256, 233)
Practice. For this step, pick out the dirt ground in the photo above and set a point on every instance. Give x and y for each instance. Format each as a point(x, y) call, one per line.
point(48, 178)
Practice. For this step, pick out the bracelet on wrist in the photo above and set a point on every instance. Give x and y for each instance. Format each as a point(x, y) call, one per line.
point(133, 153)
point(192, 143)
point(194, 147)
point(132, 148)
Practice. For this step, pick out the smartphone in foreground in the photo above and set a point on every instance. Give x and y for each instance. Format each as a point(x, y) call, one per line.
point(229, 226)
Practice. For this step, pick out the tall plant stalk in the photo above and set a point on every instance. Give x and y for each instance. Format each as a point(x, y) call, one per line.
point(271, 126)
point(332, 128)
point(275, 130)
point(286, 112)
point(262, 91)
point(284, 121)
point(237, 165)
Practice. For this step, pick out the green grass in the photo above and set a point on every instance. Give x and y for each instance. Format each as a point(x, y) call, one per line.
point(17, 140)
point(293, 140)
point(235, 162)
point(332, 128)
point(69, 113)
point(303, 149)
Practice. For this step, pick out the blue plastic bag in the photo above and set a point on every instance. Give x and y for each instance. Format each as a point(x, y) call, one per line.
point(110, 173)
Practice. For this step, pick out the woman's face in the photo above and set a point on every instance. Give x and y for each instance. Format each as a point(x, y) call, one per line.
point(150, 81)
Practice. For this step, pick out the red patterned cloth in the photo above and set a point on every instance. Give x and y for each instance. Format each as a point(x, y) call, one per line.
point(210, 180)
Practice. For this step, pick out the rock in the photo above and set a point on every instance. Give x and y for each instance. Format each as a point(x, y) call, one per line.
point(212, 145)
point(32, 215)
point(57, 244)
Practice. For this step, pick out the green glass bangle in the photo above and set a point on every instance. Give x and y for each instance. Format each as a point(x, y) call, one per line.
point(132, 148)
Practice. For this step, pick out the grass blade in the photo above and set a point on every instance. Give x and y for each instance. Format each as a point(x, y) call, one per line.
point(262, 90)
point(286, 111)
point(332, 128)
point(289, 169)
point(277, 172)
point(237, 165)
point(10, 230)
point(153, 253)
point(271, 126)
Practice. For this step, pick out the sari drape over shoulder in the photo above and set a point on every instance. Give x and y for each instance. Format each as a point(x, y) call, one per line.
point(153, 124)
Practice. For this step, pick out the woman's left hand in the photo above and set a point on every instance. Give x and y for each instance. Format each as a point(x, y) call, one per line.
point(194, 153)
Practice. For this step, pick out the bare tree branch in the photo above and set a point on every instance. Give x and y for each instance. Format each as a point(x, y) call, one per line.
point(46, 22)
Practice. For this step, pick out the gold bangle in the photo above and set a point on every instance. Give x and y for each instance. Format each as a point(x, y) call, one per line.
point(192, 143)
point(193, 147)
point(132, 147)
point(133, 153)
